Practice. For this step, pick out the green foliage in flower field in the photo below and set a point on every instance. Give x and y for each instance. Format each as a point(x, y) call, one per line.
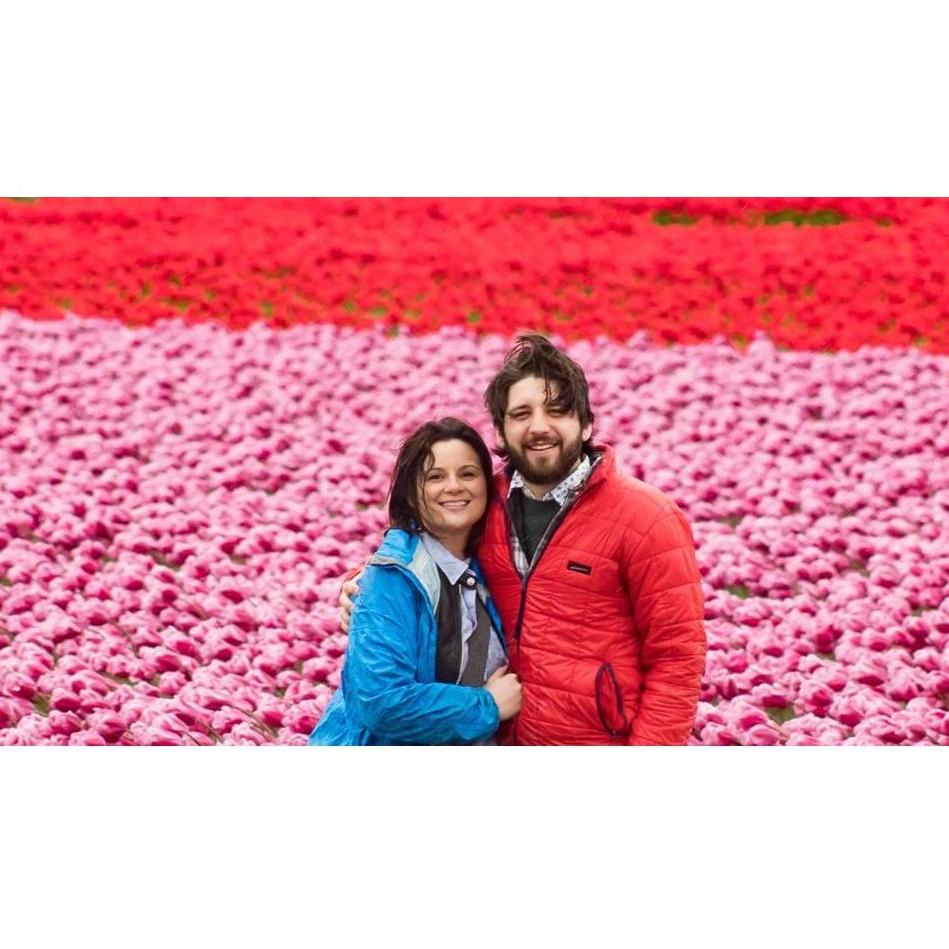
point(781, 715)
point(824, 217)
point(665, 218)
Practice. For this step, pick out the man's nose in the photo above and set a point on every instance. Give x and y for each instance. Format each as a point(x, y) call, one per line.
point(539, 422)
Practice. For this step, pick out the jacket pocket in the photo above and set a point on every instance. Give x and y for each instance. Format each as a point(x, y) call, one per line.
point(609, 703)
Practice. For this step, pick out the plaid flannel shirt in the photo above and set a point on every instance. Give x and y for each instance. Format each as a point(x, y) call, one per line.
point(561, 494)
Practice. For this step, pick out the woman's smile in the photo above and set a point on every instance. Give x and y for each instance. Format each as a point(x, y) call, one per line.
point(453, 493)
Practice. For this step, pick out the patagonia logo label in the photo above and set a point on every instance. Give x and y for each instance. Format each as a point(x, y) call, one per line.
point(579, 567)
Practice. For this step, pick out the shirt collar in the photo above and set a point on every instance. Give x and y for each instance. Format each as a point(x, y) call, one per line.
point(573, 482)
point(451, 566)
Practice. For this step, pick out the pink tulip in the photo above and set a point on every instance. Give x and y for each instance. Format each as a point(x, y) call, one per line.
point(273, 658)
point(17, 685)
point(762, 735)
point(244, 733)
point(86, 738)
point(162, 659)
point(35, 729)
point(225, 719)
point(155, 735)
point(171, 682)
point(815, 697)
point(64, 700)
point(715, 734)
point(10, 714)
point(184, 645)
point(287, 736)
point(318, 668)
point(271, 711)
point(64, 723)
point(108, 725)
point(869, 672)
point(745, 716)
point(302, 718)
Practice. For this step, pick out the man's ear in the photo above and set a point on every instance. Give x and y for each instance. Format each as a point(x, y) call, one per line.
point(498, 439)
point(586, 432)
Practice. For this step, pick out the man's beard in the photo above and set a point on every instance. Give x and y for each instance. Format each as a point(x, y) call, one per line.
point(547, 474)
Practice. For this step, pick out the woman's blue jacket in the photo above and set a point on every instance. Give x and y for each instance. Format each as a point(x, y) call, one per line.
point(388, 694)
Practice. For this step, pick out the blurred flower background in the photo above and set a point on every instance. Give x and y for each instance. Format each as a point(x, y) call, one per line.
point(201, 401)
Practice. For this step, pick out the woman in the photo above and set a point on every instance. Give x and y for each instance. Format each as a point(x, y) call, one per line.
point(426, 662)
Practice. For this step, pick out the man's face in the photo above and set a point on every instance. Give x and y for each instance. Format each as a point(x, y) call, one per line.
point(543, 442)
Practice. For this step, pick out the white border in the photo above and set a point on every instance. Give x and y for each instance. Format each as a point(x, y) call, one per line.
point(701, 846)
point(426, 98)
point(561, 847)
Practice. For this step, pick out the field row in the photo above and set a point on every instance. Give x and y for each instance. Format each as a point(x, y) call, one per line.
point(179, 504)
point(810, 273)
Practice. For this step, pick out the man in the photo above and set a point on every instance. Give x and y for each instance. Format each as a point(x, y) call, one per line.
point(593, 572)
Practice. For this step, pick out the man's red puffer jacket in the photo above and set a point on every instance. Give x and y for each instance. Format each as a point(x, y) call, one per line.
point(606, 632)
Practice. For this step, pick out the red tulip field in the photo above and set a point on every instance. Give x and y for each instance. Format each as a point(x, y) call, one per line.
point(202, 400)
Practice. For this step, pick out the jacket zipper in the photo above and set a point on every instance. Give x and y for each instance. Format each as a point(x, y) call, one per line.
point(541, 547)
point(606, 669)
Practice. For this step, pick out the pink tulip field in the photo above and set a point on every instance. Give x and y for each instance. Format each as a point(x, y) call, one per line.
point(179, 502)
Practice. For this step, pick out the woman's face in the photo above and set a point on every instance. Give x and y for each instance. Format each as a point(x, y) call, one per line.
point(454, 490)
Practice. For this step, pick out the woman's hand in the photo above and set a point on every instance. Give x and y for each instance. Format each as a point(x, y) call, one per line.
point(505, 689)
point(348, 590)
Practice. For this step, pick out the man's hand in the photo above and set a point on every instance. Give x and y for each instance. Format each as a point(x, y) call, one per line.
point(505, 689)
point(349, 589)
